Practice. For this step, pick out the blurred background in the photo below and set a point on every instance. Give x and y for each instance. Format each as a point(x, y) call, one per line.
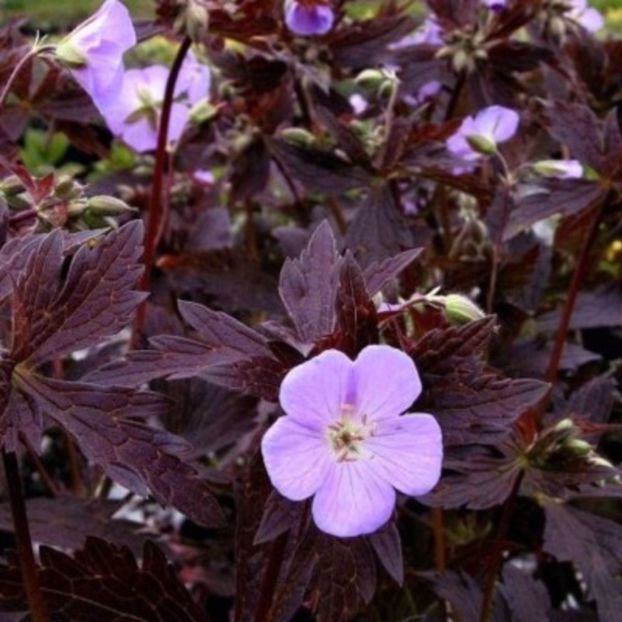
point(50, 14)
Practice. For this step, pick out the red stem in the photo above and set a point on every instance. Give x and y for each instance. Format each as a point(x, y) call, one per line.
point(497, 554)
point(152, 236)
point(23, 541)
point(270, 577)
point(571, 299)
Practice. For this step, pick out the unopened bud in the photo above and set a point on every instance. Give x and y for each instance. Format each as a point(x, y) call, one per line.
point(577, 446)
point(197, 20)
point(298, 136)
point(202, 111)
point(104, 205)
point(461, 310)
point(600, 461)
point(564, 424)
point(371, 79)
point(11, 185)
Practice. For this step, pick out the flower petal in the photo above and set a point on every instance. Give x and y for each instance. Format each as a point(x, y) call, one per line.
point(386, 382)
point(308, 21)
point(497, 123)
point(297, 458)
point(408, 452)
point(353, 500)
point(314, 392)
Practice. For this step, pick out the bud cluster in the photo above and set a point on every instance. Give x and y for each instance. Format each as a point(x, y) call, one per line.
point(62, 204)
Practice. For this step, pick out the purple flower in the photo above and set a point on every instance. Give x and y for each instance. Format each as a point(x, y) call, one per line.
point(481, 134)
point(495, 4)
point(562, 169)
point(344, 443)
point(429, 33)
point(94, 50)
point(309, 17)
point(583, 14)
point(134, 114)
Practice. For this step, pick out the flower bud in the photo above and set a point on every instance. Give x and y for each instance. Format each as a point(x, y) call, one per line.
point(461, 310)
point(564, 424)
point(298, 136)
point(371, 79)
point(197, 20)
point(11, 186)
point(577, 446)
point(202, 112)
point(104, 205)
point(562, 169)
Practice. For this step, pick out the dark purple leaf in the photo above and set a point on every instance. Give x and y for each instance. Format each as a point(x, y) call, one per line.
point(108, 423)
point(308, 285)
point(388, 547)
point(379, 230)
point(102, 583)
point(594, 545)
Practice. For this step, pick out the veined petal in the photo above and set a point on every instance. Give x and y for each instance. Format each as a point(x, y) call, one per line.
point(140, 135)
point(111, 22)
point(497, 123)
point(353, 500)
point(297, 458)
point(407, 452)
point(314, 392)
point(386, 382)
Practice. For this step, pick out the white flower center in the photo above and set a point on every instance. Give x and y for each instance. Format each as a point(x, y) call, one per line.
point(348, 434)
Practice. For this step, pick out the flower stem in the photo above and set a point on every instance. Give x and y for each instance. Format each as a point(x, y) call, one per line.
point(439, 540)
point(34, 51)
point(270, 577)
point(27, 564)
point(154, 221)
point(571, 298)
point(497, 554)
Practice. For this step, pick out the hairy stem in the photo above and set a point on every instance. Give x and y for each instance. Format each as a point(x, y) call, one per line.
point(27, 564)
point(34, 51)
point(571, 298)
point(152, 236)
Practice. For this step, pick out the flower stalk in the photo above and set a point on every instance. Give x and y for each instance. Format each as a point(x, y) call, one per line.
point(156, 204)
point(23, 540)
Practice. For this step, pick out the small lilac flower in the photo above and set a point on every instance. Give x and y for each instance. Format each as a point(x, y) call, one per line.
point(344, 443)
point(481, 134)
point(428, 91)
point(94, 50)
point(561, 169)
point(309, 17)
point(204, 176)
point(429, 33)
point(583, 14)
point(135, 114)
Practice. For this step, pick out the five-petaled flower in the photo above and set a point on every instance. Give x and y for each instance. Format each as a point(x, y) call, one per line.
point(480, 135)
point(94, 51)
point(309, 17)
point(135, 114)
point(345, 442)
